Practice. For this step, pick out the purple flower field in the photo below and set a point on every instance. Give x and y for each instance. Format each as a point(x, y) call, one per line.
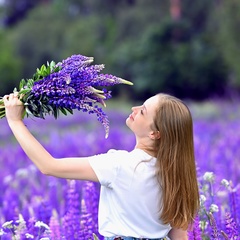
point(34, 206)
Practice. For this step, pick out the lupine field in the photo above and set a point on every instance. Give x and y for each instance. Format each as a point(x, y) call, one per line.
point(35, 206)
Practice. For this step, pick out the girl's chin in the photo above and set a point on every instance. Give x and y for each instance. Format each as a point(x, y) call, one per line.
point(128, 122)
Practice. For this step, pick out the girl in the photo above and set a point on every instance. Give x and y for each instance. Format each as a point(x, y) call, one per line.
point(148, 193)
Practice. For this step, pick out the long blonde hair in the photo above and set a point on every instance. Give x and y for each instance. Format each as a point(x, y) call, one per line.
point(175, 166)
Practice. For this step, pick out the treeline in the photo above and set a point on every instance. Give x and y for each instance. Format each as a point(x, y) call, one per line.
point(183, 47)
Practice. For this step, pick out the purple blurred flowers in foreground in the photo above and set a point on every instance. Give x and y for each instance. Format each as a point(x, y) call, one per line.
point(65, 86)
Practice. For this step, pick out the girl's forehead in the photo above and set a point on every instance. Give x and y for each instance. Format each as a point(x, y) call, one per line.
point(152, 101)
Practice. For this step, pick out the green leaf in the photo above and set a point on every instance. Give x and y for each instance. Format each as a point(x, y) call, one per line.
point(29, 98)
point(47, 108)
point(69, 110)
point(41, 115)
point(63, 111)
point(24, 91)
point(52, 65)
point(57, 69)
point(55, 112)
point(24, 114)
point(28, 111)
point(30, 83)
point(43, 68)
point(46, 73)
point(34, 107)
point(22, 84)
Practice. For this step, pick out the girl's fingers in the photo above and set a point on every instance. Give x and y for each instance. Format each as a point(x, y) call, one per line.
point(5, 98)
point(12, 98)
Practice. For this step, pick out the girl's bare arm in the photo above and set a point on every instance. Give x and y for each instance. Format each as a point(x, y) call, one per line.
point(70, 168)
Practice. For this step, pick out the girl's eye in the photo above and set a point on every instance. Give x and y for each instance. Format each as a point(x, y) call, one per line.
point(141, 111)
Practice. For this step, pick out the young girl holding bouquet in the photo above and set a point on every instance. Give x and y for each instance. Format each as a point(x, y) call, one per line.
point(150, 192)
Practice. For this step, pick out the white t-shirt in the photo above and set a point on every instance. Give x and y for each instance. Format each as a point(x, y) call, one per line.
point(130, 193)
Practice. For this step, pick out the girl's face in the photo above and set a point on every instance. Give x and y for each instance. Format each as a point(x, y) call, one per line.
point(140, 121)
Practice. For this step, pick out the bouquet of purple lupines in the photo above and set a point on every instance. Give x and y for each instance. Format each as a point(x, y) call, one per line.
point(71, 84)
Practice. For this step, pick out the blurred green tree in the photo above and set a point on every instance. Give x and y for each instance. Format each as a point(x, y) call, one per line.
point(169, 59)
point(38, 38)
point(10, 65)
point(171, 53)
point(159, 45)
point(225, 24)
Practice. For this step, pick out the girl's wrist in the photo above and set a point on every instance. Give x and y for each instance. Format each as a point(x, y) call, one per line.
point(14, 122)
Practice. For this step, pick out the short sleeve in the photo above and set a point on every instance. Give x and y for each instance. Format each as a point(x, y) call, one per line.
point(106, 167)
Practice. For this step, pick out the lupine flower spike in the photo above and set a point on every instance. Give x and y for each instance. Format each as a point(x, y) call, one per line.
point(65, 86)
point(231, 227)
point(215, 233)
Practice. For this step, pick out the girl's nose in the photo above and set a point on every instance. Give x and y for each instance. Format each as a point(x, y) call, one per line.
point(134, 109)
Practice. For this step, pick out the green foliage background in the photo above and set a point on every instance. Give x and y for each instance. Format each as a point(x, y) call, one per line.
point(195, 56)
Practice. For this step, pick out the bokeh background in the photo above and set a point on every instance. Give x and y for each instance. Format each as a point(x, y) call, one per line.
point(183, 47)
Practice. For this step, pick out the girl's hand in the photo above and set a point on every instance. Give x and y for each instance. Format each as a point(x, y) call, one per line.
point(14, 108)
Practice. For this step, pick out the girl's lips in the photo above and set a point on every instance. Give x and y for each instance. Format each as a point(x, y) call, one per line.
point(131, 117)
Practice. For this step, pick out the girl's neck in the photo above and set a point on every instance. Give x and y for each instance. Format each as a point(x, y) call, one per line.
point(149, 150)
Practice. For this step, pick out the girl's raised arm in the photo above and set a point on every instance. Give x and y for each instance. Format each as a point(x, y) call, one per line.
point(70, 168)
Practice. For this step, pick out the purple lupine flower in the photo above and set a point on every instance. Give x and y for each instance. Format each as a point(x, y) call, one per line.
point(44, 212)
point(66, 86)
point(71, 220)
point(89, 210)
point(215, 232)
point(91, 197)
point(55, 227)
point(75, 61)
point(224, 235)
point(11, 201)
point(231, 227)
point(31, 229)
point(234, 202)
point(86, 222)
point(194, 232)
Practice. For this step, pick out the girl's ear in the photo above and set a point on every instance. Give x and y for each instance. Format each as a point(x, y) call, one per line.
point(155, 135)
